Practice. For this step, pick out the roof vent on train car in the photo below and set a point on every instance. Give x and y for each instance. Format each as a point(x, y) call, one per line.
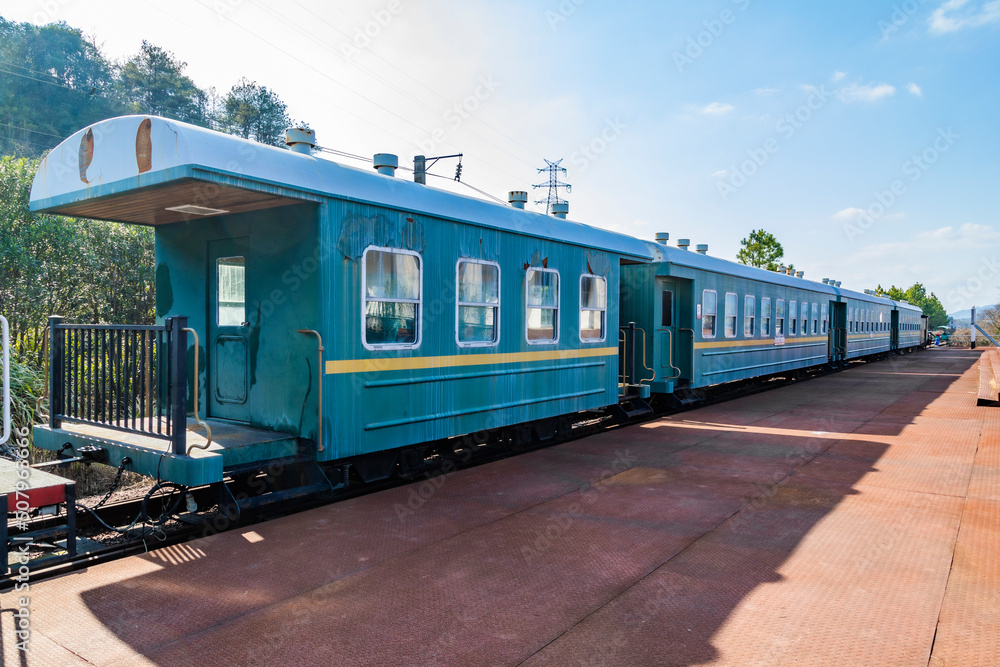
point(683, 243)
point(517, 198)
point(701, 248)
point(560, 209)
point(300, 140)
point(386, 163)
point(799, 274)
point(838, 283)
point(782, 268)
point(662, 238)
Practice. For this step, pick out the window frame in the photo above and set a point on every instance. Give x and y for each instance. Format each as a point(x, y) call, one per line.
point(219, 288)
point(751, 300)
point(459, 303)
point(603, 311)
point(704, 314)
point(779, 322)
point(418, 318)
point(793, 317)
point(814, 312)
point(824, 318)
point(528, 307)
point(735, 315)
point(765, 317)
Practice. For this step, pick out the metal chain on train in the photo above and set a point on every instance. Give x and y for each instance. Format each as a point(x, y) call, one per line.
point(114, 485)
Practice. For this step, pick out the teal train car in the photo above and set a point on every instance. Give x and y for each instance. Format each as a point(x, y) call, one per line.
point(418, 315)
point(706, 321)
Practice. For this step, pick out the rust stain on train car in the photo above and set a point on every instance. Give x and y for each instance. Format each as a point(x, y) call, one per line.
point(86, 154)
point(144, 146)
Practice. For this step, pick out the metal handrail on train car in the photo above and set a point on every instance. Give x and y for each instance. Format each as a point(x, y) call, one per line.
point(197, 381)
point(652, 379)
point(319, 427)
point(670, 356)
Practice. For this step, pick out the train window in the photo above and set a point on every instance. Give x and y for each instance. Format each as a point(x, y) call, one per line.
point(779, 317)
point(749, 313)
point(825, 316)
point(731, 314)
point(765, 316)
point(709, 306)
point(815, 318)
point(477, 303)
point(667, 310)
point(793, 318)
point(231, 288)
point(392, 291)
point(542, 287)
point(805, 318)
point(593, 307)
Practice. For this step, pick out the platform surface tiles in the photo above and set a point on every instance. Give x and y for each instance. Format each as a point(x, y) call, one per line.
point(852, 519)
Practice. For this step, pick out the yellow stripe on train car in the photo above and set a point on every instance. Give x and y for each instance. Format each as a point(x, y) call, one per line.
point(422, 363)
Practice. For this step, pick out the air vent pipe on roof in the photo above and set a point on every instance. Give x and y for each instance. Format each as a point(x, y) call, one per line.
point(300, 140)
point(662, 238)
point(683, 243)
point(517, 198)
point(386, 163)
point(799, 274)
point(782, 268)
point(701, 248)
point(826, 281)
point(560, 210)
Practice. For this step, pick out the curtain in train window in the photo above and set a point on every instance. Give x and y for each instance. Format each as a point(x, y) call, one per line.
point(392, 294)
point(478, 303)
point(779, 317)
point(793, 318)
point(593, 307)
point(815, 318)
point(709, 308)
point(824, 316)
point(232, 291)
point(749, 313)
point(765, 316)
point(543, 305)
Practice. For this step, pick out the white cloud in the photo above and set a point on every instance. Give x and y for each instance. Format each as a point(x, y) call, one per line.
point(848, 213)
point(915, 89)
point(950, 17)
point(765, 91)
point(717, 109)
point(837, 76)
point(856, 93)
point(722, 173)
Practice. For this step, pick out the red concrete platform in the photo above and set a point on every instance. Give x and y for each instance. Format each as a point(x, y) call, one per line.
point(847, 520)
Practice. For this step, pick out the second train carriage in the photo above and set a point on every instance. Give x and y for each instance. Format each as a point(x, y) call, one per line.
point(706, 321)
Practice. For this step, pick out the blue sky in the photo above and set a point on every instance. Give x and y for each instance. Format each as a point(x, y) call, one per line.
point(862, 134)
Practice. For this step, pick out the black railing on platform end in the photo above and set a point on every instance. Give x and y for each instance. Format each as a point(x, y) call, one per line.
point(129, 378)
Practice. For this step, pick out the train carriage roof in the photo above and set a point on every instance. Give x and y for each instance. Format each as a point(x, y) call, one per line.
point(697, 261)
point(152, 171)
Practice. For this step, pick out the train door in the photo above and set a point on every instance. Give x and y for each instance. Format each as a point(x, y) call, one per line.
point(838, 330)
point(894, 328)
point(227, 345)
point(671, 336)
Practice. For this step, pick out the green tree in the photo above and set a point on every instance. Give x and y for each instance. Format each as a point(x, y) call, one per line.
point(894, 293)
point(153, 82)
point(254, 112)
point(760, 249)
point(917, 295)
point(52, 83)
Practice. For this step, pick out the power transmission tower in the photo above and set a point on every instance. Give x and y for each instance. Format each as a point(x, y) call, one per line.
point(553, 169)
